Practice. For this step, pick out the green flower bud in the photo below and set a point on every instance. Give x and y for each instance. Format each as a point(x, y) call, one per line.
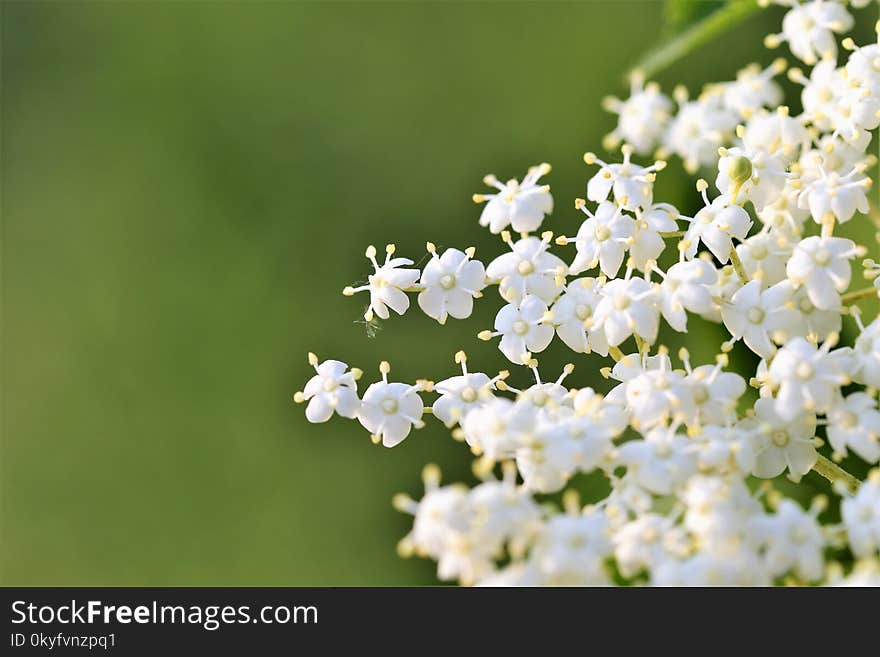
point(739, 170)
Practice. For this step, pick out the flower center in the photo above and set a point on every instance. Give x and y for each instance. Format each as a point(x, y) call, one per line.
point(330, 385)
point(525, 267)
point(583, 311)
point(806, 306)
point(848, 420)
point(755, 315)
point(577, 541)
point(447, 281)
point(621, 302)
point(602, 233)
point(822, 257)
point(700, 393)
point(539, 398)
point(780, 438)
point(804, 371)
point(389, 406)
point(520, 327)
point(798, 535)
point(469, 395)
point(759, 251)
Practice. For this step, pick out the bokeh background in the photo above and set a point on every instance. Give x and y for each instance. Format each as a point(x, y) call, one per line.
point(187, 186)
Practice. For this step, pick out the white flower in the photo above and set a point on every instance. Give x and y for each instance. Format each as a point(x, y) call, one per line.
point(753, 89)
point(602, 239)
point(861, 66)
point(715, 225)
point(522, 329)
point(460, 394)
point(630, 185)
point(648, 243)
point(584, 439)
point(719, 509)
point(571, 317)
point(715, 393)
point(812, 321)
point(545, 460)
point(451, 282)
point(699, 129)
point(686, 286)
point(332, 389)
point(550, 395)
point(724, 450)
point(839, 197)
point(655, 397)
point(809, 29)
point(764, 256)
point(390, 410)
point(832, 153)
point(661, 462)
point(757, 176)
point(642, 117)
point(821, 265)
point(758, 317)
point(791, 540)
point(571, 550)
point(647, 542)
point(776, 133)
point(521, 206)
point(808, 377)
point(528, 269)
point(867, 351)
point(442, 512)
point(498, 427)
point(627, 307)
point(822, 93)
point(387, 284)
point(605, 418)
point(781, 442)
point(783, 218)
point(861, 516)
point(854, 424)
point(702, 569)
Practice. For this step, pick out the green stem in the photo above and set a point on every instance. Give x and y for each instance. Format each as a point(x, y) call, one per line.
point(834, 473)
point(858, 295)
point(738, 266)
point(732, 14)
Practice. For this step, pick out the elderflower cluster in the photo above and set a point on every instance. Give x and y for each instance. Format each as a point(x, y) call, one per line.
point(682, 448)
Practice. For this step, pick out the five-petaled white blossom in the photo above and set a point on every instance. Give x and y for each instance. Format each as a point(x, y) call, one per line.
point(520, 205)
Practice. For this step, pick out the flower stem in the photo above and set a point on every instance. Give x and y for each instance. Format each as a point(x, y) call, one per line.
point(738, 266)
point(858, 295)
point(834, 473)
point(718, 22)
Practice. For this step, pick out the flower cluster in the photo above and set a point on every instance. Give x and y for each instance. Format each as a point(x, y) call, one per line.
point(680, 446)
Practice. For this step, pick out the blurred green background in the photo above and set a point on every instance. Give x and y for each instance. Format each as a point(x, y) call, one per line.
point(186, 189)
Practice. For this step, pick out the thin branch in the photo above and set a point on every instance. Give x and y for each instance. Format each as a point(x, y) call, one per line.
point(718, 22)
point(834, 473)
